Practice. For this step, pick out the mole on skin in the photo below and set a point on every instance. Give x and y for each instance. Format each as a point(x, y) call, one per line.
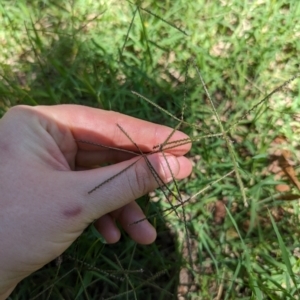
point(72, 212)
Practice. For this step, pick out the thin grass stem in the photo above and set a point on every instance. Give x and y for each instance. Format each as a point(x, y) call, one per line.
point(228, 143)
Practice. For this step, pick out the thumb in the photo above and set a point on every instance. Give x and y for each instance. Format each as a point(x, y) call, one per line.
point(109, 188)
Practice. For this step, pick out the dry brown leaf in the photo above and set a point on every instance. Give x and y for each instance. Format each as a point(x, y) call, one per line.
point(219, 212)
point(288, 168)
point(280, 140)
point(290, 197)
point(282, 164)
point(282, 188)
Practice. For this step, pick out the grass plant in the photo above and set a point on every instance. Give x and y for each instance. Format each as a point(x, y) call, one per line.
point(229, 231)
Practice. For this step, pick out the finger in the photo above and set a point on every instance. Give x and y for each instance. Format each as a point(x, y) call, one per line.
point(107, 227)
point(142, 232)
point(103, 190)
point(100, 126)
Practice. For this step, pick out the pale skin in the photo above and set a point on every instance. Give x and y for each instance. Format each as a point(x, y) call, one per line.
point(46, 175)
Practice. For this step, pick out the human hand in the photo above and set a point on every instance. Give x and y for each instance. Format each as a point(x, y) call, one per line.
point(45, 205)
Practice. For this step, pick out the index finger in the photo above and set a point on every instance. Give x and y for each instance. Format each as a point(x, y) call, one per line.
point(113, 129)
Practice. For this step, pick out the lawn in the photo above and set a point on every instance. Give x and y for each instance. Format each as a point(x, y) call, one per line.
point(229, 231)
